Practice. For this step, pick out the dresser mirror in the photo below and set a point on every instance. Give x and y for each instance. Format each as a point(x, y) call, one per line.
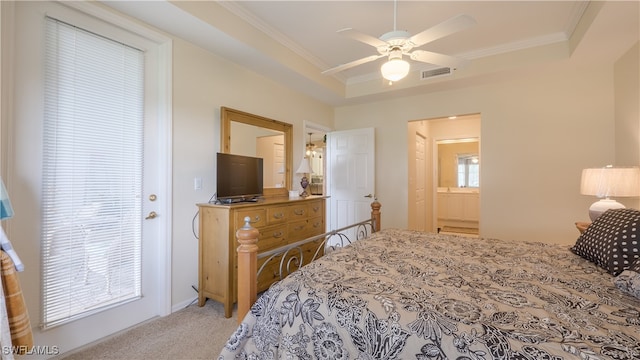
point(253, 135)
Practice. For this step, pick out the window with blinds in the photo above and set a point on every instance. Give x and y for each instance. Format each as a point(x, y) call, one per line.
point(92, 175)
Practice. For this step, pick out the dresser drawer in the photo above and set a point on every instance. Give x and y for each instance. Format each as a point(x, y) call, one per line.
point(277, 215)
point(271, 271)
point(316, 208)
point(316, 226)
point(297, 230)
point(298, 211)
point(302, 229)
point(269, 274)
point(272, 237)
point(309, 250)
point(258, 217)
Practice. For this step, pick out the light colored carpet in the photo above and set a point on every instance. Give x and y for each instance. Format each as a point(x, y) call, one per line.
point(189, 334)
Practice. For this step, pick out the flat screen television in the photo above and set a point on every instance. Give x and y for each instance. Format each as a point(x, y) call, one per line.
point(239, 178)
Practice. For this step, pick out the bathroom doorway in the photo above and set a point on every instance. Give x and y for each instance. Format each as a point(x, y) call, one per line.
point(444, 174)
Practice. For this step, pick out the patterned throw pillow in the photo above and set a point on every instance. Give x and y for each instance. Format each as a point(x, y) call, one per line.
point(629, 280)
point(612, 241)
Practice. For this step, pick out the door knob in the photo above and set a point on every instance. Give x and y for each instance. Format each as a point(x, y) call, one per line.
point(152, 215)
point(368, 196)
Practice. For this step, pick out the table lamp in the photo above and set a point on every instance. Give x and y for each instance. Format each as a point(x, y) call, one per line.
point(304, 169)
point(606, 182)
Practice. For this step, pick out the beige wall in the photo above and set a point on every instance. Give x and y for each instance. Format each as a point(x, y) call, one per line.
point(538, 131)
point(627, 113)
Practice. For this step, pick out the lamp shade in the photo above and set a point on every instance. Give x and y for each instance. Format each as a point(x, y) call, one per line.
point(305, 167)
point(6, 211)
point(611, 181)
point(395, 69)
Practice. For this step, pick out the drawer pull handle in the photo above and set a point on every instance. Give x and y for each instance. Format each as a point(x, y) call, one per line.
point(299, 211)
point(256, 219)
point(315, 209)
point(277, 234)
point(278, 215)
point(298, 228)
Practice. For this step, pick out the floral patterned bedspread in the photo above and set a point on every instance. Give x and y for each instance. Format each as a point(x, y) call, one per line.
point(402, 294)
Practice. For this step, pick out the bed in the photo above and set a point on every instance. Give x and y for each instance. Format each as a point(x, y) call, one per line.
point(402, 294)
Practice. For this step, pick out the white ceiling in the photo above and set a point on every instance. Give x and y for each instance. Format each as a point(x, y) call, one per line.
point(314, 25)
point(294, 41)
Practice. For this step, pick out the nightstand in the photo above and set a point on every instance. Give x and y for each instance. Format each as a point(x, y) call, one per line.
point(582, 226)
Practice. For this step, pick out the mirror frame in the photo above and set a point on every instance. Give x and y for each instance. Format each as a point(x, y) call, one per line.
point(227, 115)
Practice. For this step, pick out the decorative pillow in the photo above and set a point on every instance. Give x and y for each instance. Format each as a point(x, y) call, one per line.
point(612, 241)
point(635, 266)
point(629, 280)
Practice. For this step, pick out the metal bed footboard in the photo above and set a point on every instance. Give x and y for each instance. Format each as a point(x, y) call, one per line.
point(292, 256)
point(248, 256)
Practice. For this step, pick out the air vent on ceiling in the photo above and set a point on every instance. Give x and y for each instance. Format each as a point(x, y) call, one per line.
point(429, 74)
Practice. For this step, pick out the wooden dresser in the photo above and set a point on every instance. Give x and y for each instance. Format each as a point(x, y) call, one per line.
point(280, 221)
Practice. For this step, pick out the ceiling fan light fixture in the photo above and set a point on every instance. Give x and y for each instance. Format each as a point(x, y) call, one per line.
point(395, 69)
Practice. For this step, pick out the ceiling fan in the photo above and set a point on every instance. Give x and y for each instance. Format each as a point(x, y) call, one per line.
point(397, 43)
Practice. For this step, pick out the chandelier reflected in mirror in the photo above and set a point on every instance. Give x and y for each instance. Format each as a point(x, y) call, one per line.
point(311, 148)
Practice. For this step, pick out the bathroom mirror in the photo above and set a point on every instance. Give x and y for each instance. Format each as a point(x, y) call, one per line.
point(253, 135)
point(458, 163)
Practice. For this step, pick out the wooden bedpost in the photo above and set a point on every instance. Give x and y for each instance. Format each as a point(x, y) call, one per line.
point(247, 268)
point(375, 214)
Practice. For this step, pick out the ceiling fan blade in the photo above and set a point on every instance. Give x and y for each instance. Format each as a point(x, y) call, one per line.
point(351, 64)
point(445, 28)
point(362, 37)
point(439, 59)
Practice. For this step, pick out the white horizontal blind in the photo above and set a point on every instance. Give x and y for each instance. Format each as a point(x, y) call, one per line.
point(92, 175)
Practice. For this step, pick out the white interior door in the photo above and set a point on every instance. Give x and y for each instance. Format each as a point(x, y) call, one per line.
point(278, 164)
point(350, 176)
point(420, 182)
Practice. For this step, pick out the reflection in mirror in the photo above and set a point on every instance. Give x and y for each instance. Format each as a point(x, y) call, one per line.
point(458, 163)
point(268, 145)
point(468, 170)
point(315, 152)
point(252, 135)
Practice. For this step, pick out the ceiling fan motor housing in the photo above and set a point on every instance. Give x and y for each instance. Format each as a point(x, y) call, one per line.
point(395, 53)
point(397, 39)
